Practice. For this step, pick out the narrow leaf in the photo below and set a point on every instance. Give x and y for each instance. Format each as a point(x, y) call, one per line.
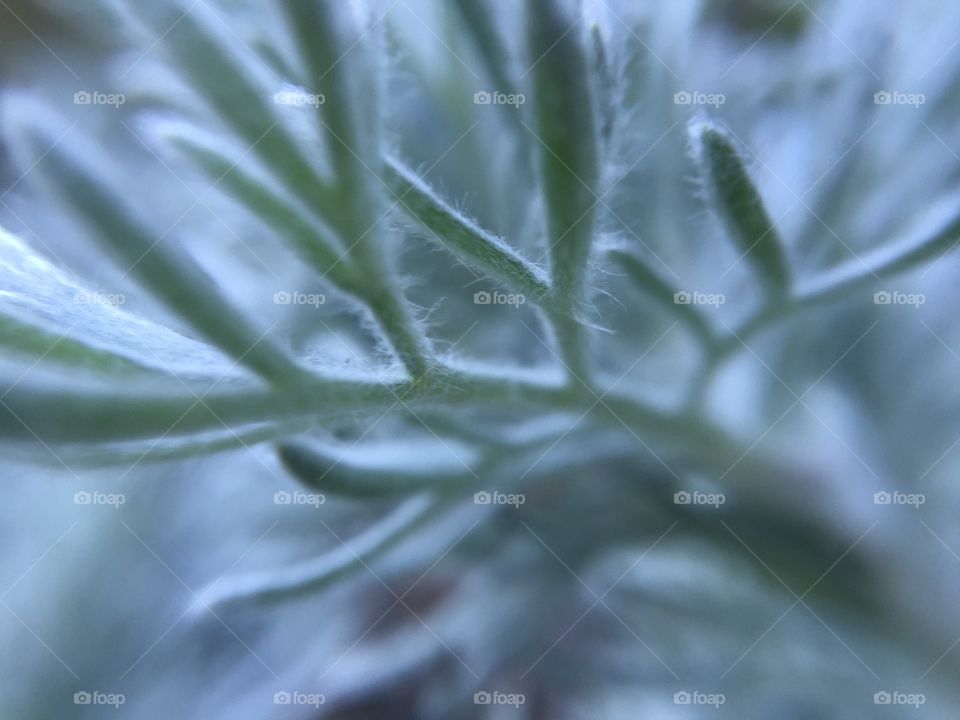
point(479, 20)
point(737, 201)
point(238, 88)
point(56, 410)
point(935, 235)
point(339, 67)
point(347, 474)
point(322, 572)
point(327, 33)
point(315, 243)
point(159, 265)
point(48, 316)
point(658, 288)
point(462, 236)
point(566, 135)
point(606, 84)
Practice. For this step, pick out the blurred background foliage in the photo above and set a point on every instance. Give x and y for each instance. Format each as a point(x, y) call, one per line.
point(599, 596)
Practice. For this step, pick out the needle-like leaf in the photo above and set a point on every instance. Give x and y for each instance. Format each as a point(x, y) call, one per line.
point(737, 201)
point(323, 470)
point(48, 316)
point(451, 229)
point(565, 133)
point(151, 257)
point(236, 85)
point(313, 576)
point(314, 242)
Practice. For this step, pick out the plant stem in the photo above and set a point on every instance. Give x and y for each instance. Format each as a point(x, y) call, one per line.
point(459, 234)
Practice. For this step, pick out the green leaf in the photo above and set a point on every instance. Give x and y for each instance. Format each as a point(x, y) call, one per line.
point(340, 66)
point(478, 20)
point(314, 575)
point(62, 410)
point(172, 446)
point(238, 89)
point(737, 201)
point(460, 235)
point(48, 317)
point(657, 287)
point(343, 67)
point(78, 175)
point(605, 82)
point(933, 236)
point(387, 472)
point(565, 131)
point(313, 241)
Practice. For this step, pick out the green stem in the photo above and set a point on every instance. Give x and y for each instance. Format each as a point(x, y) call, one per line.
point(460, 235)
point(323, 571)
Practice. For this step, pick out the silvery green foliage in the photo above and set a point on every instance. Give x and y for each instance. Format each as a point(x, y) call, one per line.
point(590, 355)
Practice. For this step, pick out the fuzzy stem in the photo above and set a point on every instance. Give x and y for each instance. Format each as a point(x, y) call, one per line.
point(462, 236)
point(326, 33)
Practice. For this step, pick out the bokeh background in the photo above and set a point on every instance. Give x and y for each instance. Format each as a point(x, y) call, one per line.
point(803, 596)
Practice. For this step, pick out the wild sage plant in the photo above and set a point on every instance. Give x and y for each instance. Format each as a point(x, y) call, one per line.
point(527, 311)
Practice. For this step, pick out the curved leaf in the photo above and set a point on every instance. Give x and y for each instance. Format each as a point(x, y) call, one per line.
point(457, 233)
point(350, 473)
point(49, 317)
point(738, 203)
point(317, 574)
point(186, 289)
